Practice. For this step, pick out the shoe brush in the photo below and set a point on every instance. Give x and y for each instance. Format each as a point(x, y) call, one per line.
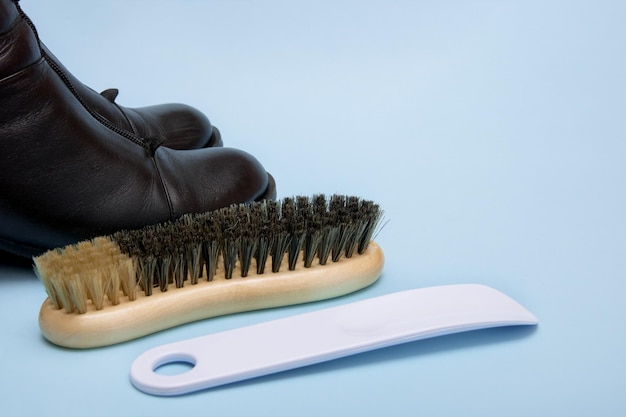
point(266, 254)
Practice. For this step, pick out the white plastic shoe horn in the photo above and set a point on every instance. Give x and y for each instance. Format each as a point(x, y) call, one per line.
point(324, 335)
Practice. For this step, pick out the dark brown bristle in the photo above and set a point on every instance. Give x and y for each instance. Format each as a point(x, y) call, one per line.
point(280, 243)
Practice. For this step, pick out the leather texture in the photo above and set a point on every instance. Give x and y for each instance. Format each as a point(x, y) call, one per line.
point(66, 176)
point(180, 125)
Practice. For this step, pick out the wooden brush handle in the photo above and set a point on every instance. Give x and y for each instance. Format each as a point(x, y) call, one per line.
point(162, 310)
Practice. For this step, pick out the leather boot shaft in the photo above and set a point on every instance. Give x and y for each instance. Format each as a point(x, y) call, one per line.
point(181, 126)
point(18, 44)
point(8, 15)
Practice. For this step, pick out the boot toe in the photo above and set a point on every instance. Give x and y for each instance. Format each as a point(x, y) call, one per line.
point(208, 179)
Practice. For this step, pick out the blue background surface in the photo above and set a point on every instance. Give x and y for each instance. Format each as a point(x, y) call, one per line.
point(491, 132)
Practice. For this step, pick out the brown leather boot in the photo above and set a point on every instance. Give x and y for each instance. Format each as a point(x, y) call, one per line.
point(182, 126)
point(66, 175)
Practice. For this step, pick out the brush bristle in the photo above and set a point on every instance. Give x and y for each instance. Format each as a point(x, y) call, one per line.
point(248, 238)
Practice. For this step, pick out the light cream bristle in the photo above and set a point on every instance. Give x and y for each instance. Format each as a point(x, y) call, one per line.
point(87, 273)
point(77, 295)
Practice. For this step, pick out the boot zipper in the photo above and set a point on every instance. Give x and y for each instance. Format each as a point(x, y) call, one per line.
point(102, 120)
point(148, 145)
point(128, 135)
